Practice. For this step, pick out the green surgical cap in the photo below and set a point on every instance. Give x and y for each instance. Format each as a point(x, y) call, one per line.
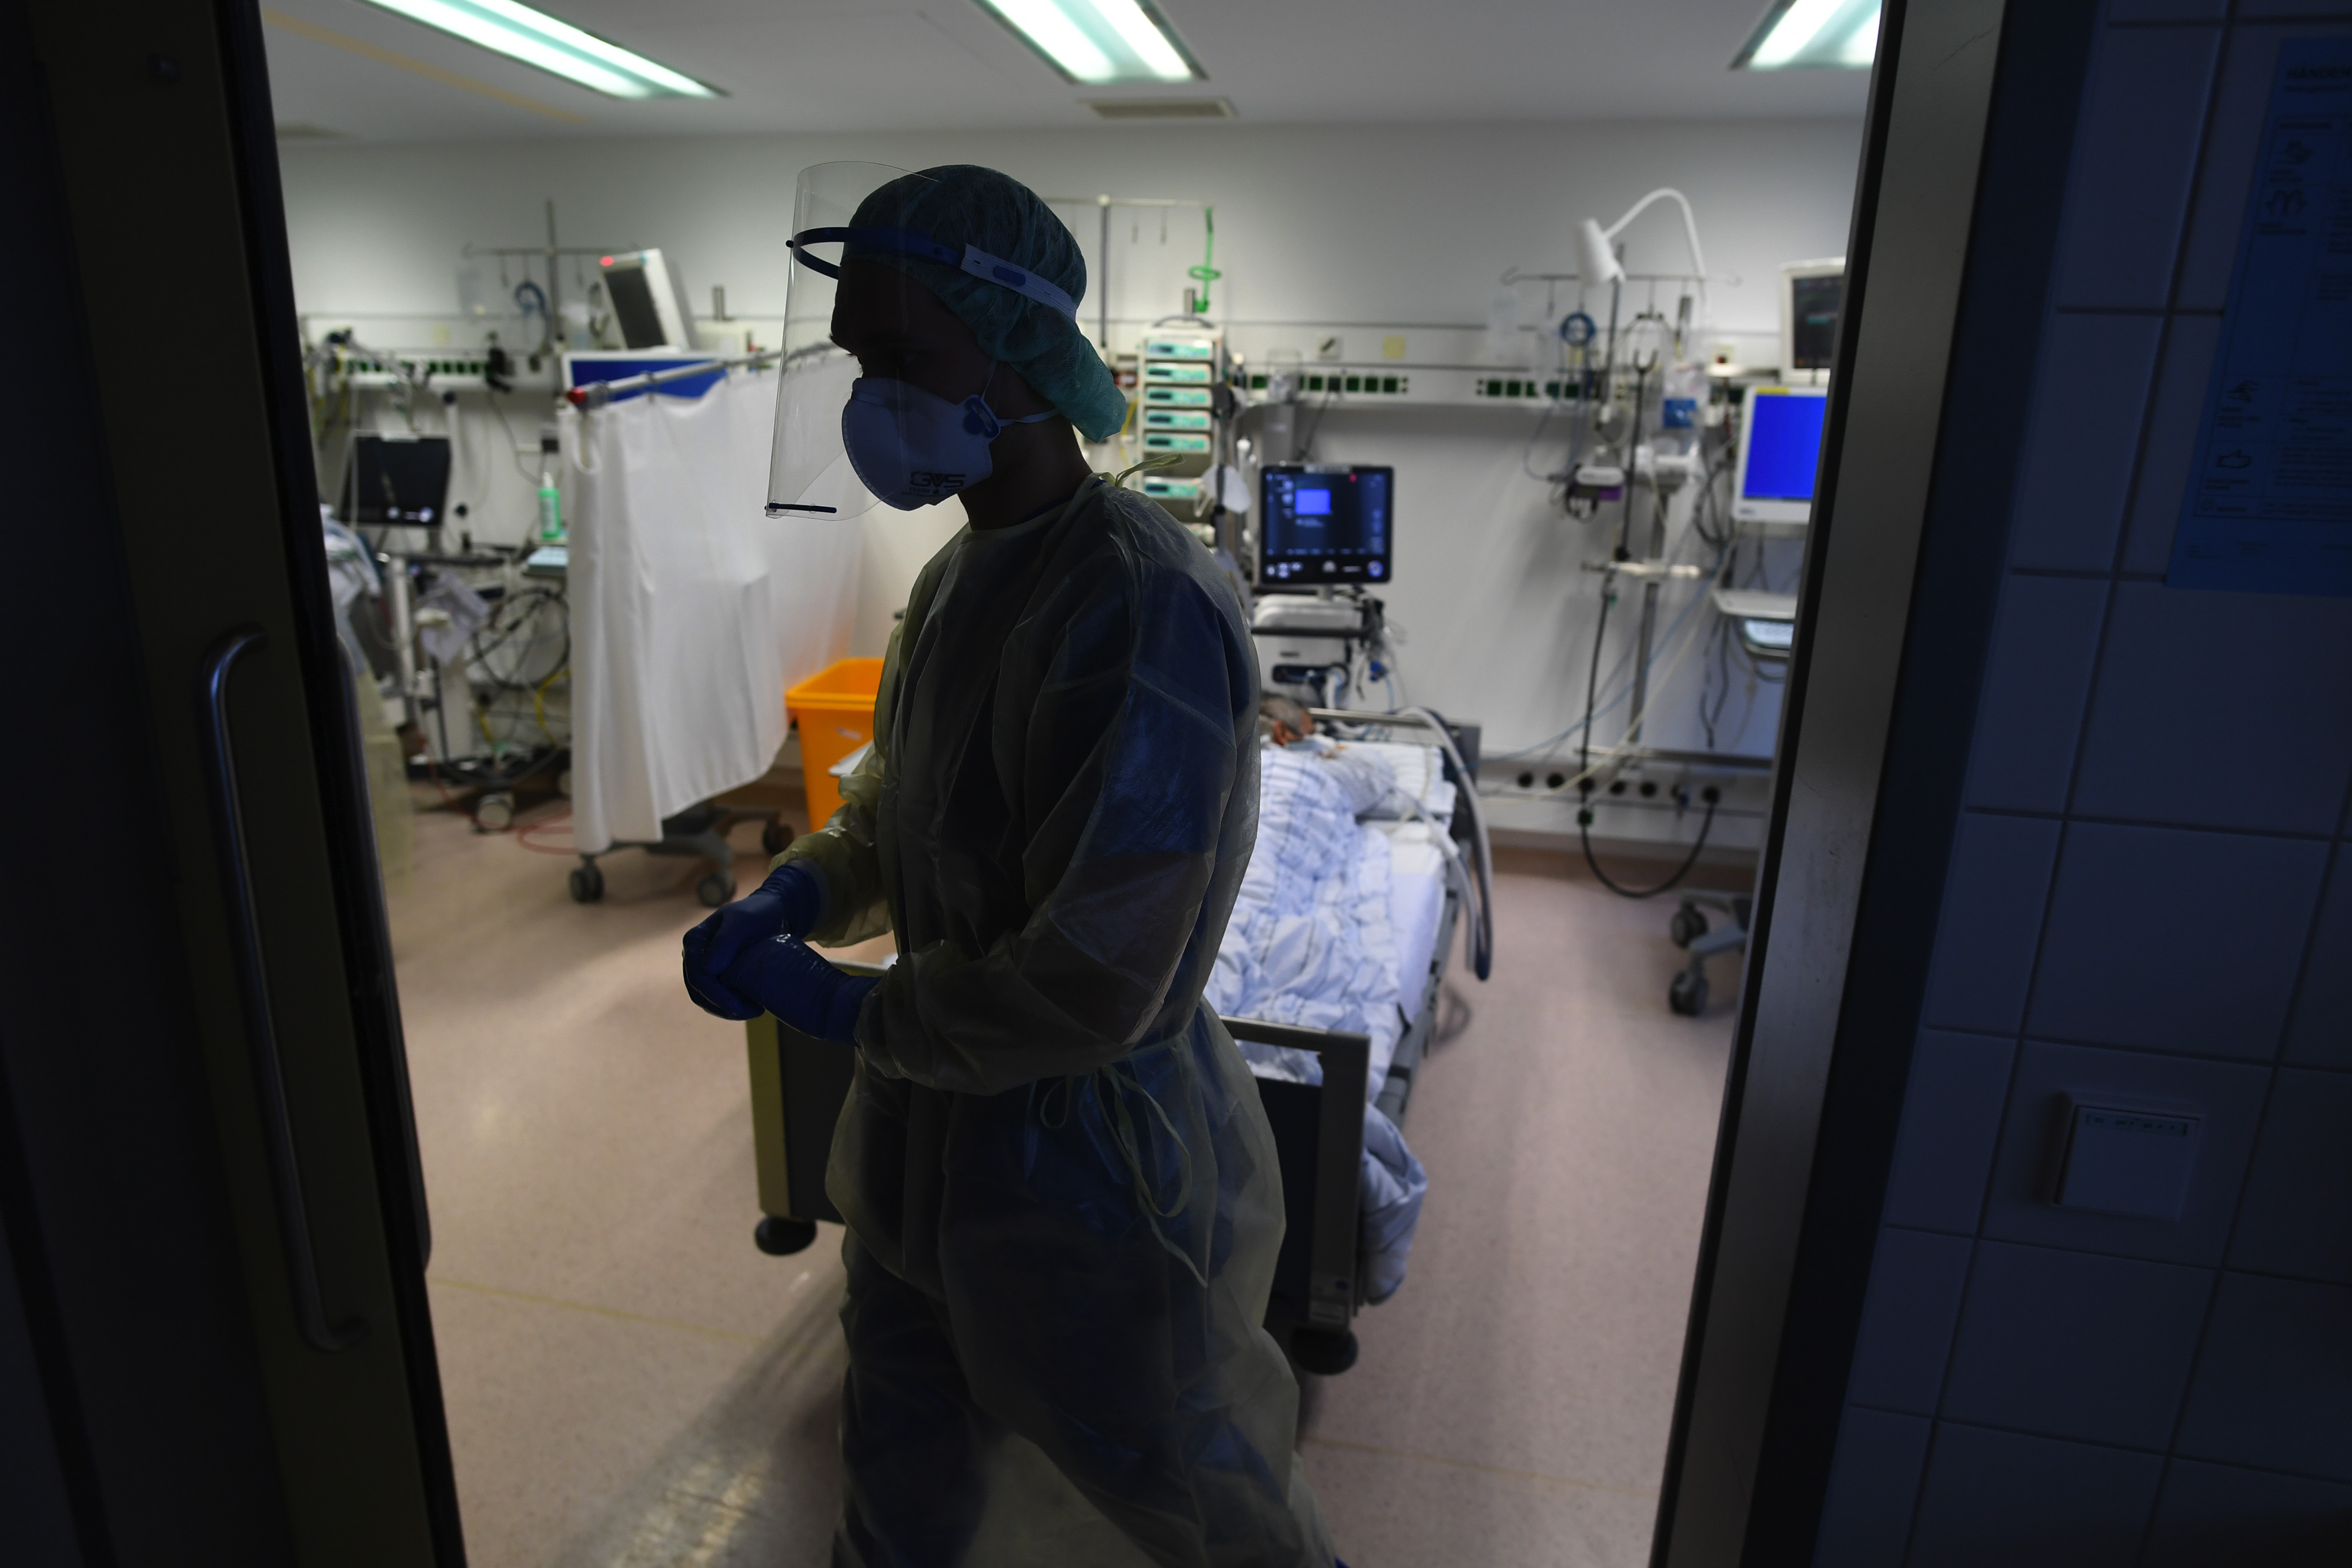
point(961, 203)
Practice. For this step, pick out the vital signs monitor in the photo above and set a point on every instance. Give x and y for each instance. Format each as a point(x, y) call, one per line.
point(393, 479)
point(1325, 524)
point(1779, 454)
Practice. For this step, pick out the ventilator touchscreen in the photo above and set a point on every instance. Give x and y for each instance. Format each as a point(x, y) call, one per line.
point(1326, 525)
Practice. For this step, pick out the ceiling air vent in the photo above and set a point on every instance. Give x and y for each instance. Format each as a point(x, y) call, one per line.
point(1162, 109)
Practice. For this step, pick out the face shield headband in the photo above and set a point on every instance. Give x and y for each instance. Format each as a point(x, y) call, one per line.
point(844, 443)
point(922, 246)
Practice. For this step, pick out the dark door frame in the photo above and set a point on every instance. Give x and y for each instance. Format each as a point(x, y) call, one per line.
point(1972, 122)
point(201, 1025)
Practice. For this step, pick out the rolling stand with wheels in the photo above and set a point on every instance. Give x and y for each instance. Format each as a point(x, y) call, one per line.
point(699, 831)
point(1687, 993)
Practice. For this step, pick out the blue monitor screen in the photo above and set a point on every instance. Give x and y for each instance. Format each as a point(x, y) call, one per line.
point(1325, 525)
point(1784, 447)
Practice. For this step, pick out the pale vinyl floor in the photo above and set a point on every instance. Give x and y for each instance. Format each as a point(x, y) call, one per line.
point(629, 1382)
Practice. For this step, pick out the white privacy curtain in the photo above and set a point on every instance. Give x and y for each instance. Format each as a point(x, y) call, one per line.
point(691, 612)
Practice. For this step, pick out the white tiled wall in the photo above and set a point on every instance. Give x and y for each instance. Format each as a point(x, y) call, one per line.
point(2149, 898)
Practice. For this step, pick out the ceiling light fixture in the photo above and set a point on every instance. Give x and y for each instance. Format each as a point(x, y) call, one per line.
point(1161, 108)
point(1799, 33)
point(1098, 41)
point(536, 38)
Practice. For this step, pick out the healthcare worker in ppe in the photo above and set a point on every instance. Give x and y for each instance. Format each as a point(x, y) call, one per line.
point(1060, 1187)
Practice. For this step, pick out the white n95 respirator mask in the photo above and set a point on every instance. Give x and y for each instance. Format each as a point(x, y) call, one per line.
point(913, 448)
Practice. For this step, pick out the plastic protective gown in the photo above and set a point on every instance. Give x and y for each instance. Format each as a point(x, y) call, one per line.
point(1060, 1186)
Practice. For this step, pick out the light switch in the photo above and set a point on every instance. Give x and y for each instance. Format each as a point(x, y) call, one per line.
point(2122, 1161)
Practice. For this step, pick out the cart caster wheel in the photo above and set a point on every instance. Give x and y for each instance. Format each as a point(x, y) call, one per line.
point(773, 839)
point(780, 1238)
point(715, 889)
point(494, 814)
point(1686, 926)
point(587, 885)
point(1326, 1353)
point(1687, 994)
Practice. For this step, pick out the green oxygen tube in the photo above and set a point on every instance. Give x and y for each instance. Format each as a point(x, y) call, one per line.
point(550, 498)
point(1205, 273)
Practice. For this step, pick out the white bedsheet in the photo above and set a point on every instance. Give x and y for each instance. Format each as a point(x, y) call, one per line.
point(1333, 928)
point(1420, 776)
point(1311, 941)
point(1417, 905)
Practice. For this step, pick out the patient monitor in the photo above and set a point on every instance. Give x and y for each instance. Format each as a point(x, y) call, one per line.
point(648, 301)
point(1325, 524)
point(395, 479)
point(1780, 454)
point(1813, 295)
point(1324, 536)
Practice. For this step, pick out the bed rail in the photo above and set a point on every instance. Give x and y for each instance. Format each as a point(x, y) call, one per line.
point(1465, 785)
point(798, 1084)
point(1319, 1136)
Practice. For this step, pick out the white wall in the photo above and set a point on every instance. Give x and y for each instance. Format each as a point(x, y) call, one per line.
point(1317, 227)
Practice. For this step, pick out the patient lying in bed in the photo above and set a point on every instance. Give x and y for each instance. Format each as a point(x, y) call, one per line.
point(1311, 943)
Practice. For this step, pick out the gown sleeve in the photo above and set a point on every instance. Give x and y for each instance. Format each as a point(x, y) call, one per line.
point(1123, 771)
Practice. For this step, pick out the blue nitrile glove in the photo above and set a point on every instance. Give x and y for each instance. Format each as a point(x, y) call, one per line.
point(785, 977)
point(790, 901)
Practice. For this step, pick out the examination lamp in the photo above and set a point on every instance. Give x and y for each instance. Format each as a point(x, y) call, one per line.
point(1098, 41)
point(1797, 33)
point(536, 38)
point(1596, 255)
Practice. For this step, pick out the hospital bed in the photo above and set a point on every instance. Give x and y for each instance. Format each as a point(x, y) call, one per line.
point(1440, 872)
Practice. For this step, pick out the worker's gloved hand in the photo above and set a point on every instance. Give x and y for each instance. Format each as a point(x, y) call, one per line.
point(788, 979)
point(791, 903)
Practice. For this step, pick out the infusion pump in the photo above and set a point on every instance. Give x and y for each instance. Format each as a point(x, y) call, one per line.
point(1180, 377)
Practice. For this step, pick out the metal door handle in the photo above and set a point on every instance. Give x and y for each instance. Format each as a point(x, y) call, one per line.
point(261, 1023)
point(404, 1102)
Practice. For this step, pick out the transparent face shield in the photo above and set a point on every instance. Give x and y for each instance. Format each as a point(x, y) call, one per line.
point(847, 443)
point(809, 471)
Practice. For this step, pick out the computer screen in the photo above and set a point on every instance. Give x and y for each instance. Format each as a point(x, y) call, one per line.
point(395, 481)
point(648, 306)
point(1813, 306)
point(633, 308)
point(1325, 525)
point(1779, 451)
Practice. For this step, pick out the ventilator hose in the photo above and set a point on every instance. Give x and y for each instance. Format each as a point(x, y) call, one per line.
point(1482, 929)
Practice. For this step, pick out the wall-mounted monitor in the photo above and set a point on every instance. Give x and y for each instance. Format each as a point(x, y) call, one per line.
point(648, 301)
point(1779, 454)
point(394, 480)
point(1813, 294)
point(1323, 524)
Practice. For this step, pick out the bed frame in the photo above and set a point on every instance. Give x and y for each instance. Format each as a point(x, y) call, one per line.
point(798, 1082)
point(798, 1085)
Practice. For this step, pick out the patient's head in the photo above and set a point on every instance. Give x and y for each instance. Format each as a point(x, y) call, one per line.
point(1282, 720)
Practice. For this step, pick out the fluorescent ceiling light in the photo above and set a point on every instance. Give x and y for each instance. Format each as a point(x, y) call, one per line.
point(1797, 33)
point(1098, 41)
point(536, 38)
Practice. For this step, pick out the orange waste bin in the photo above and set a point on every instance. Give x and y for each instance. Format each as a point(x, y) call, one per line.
point(835, 708)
